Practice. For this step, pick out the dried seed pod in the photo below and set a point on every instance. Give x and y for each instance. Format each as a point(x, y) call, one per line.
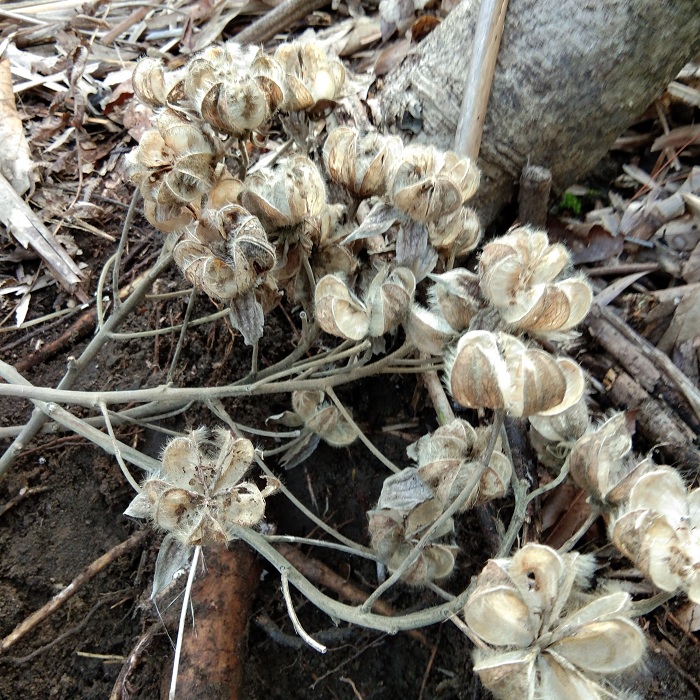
point(148, 81)
point(456, 233)
point(448, 458)
point(388, 298)
point(553, 436)
point(232, 271)
point(455, 295)
point(427, 330)
point(500, 372)
point(167, 218)
point(295, 95)
point(293, 193)
point(428, 184)
point(404, 512)
point(548, 308)
point(360, 163)
point(198, 494)
point(658, 530)
point(321, 77)
point(536, 652)
point(322, 418)
point(517, 274)
point(599, 462)
point(238, 108)
point(521, 258)
point(338, 311)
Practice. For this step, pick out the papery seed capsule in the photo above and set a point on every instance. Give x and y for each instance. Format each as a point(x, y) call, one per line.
point(388, 299)
point(456, 233)
point(239, 108)
point(322, 77)
point(338, 311)
point(293, 193)
point(360, 164)
point(500, 372)
point(427, 330)
point(428, 184)
point(455, 295)
point(148, 82)
point(520, 260)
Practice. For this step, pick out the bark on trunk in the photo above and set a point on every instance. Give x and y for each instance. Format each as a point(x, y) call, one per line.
point(570, 77)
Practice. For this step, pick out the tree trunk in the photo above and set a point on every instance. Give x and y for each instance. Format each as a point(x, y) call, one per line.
point(571, 76)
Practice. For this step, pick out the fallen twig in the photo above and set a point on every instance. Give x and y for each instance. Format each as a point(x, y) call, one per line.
point(71, 589)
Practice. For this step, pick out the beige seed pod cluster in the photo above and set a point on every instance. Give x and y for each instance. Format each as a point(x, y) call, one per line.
point(341, 313)
point(498, 371)
point(291, 193)
point(406, 509)
point(199, 493)
point(448, 458)
point(236, 89)
point(228, 254)
point(543, 642)
point(173, 166)
point(601, 463)
point(659, 530)
point(453, 300)
point(428, 185)
point(517, 273)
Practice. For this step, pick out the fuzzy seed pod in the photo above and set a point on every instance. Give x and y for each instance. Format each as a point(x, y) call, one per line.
point(293, 193)
point(322, 418)
point(455, 295)
point(360, 163)
point(198, 494)
point(321, 77)
point(338, 311)
point(448, 457)
point(295, 96)
point(498, 371)
point(537, 651)
point(600, 463)
point(231, 271)
point(517, 274)
point(428, 330)
point(238, 108)
point(553, 436)
point(659, 530)
point(457, 233)
point(149, 83)
point(406, 509)
point(388, 298)
point(428, 184)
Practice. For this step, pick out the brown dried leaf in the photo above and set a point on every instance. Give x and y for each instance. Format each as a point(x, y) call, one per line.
point(16, 161)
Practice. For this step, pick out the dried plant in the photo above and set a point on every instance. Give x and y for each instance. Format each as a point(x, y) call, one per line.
point(659, 530)
point(601, 464)
point(405, 511)
point(448, 458)
point(546, 640)
point(517, 273)
point(198, 494)
point(500, 372)
point(341, 313)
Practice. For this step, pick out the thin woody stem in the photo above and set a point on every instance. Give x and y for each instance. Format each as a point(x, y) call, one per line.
point(364, 439)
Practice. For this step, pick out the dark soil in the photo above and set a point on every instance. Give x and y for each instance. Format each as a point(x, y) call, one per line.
point(49, 537)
